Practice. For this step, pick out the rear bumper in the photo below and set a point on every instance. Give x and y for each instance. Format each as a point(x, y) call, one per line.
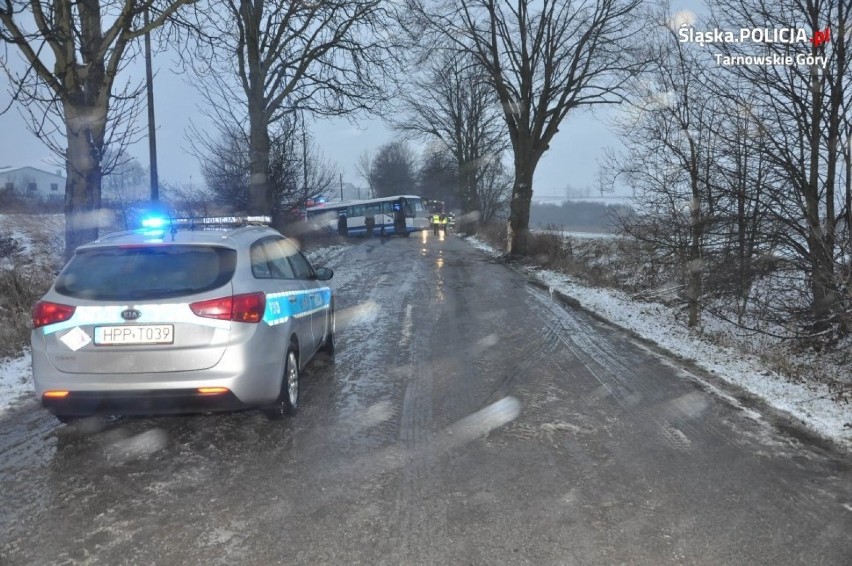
point(250, 380)
point(139, 403)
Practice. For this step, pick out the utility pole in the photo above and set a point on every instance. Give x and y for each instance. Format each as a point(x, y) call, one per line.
point(304, 159)
point(341, 187)
point(152, 133)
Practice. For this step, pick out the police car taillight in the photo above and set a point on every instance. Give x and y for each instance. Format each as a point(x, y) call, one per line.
point(239, 308)
point(45, 312)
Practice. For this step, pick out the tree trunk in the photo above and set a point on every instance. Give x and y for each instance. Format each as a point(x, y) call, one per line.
point(85, 127)
point(254, 75)
point(820, 244)
point(259, 201)
point(471, 178)
point(695, 263)
point(519, 215)
point(825, 299)
point(468, 196)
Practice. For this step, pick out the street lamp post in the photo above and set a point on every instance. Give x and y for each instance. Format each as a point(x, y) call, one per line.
point(152, 133)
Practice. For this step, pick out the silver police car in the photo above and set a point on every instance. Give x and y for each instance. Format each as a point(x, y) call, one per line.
point(173, 319)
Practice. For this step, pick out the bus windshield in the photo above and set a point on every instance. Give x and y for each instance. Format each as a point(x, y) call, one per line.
point(411, 207)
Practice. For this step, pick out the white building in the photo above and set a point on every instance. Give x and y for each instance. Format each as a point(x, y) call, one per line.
point(32, 183)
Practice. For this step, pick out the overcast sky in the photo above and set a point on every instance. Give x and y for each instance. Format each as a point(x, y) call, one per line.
point(573, 158)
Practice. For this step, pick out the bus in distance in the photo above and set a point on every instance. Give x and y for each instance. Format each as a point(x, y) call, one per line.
point(400, 214)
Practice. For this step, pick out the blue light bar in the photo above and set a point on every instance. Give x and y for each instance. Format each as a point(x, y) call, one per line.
point(153, 222)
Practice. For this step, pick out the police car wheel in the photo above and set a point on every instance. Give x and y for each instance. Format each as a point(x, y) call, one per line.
point(288, 398)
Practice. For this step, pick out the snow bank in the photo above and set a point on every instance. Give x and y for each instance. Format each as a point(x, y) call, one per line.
point(15, 380)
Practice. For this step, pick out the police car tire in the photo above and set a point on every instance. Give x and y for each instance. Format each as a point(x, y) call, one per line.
point(288, 398)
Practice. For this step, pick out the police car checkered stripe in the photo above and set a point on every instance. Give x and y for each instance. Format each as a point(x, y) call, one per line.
point(279, 309)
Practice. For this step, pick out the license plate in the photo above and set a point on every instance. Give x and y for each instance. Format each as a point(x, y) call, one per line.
point(147, 334)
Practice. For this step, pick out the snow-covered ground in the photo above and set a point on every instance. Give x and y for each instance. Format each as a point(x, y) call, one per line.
point(38, 239)
point(812, 404)
point(15, 381)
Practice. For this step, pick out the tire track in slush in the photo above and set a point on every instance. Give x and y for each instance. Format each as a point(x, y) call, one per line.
point(421, 518)
point(673, 419)
point(683, 414)
point(368, 326)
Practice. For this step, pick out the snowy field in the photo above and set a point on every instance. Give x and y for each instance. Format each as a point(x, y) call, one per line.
point(812, 404)
point(578, 235)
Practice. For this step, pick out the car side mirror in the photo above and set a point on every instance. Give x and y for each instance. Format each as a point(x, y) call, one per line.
point(324, 273)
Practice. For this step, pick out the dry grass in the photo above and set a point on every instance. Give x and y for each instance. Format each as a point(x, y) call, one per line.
point(617, 263)
point(19, 290)
point(32, 254)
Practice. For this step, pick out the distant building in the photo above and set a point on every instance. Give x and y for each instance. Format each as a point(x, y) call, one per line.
point(30, 182)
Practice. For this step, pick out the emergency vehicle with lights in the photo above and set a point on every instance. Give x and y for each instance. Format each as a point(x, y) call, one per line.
point(181, 316)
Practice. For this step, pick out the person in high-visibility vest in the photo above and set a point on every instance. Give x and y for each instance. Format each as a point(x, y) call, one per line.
point(442, 220)
point(436, 223)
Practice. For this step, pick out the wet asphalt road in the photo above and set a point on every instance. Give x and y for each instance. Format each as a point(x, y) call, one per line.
point(467, 419)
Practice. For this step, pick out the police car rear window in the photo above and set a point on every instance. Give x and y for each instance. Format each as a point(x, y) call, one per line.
point(146, 272)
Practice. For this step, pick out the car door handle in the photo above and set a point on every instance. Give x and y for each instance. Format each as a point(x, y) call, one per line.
point(292, 299)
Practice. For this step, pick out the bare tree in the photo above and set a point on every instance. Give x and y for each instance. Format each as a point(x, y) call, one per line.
point(437, 176)
point(73, 53)
point(670, 133)
point(123, 177)
point(364, 168)
point(272, 58)
point(495, 188)
point(392, 171)
point(543, 58)
point(452, 103)
point(298, 174)
point(123, 186)
point(189, 200)
point(805, 106)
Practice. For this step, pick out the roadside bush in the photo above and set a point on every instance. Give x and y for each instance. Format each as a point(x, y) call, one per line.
point(550, 249)
point(9, 246)
point(494, 233)
point(19, 291)
point(31, 253)
point(11, 203)
point(602, 262)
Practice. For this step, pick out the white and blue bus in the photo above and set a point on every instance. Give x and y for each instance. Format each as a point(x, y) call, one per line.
point(400, 214)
